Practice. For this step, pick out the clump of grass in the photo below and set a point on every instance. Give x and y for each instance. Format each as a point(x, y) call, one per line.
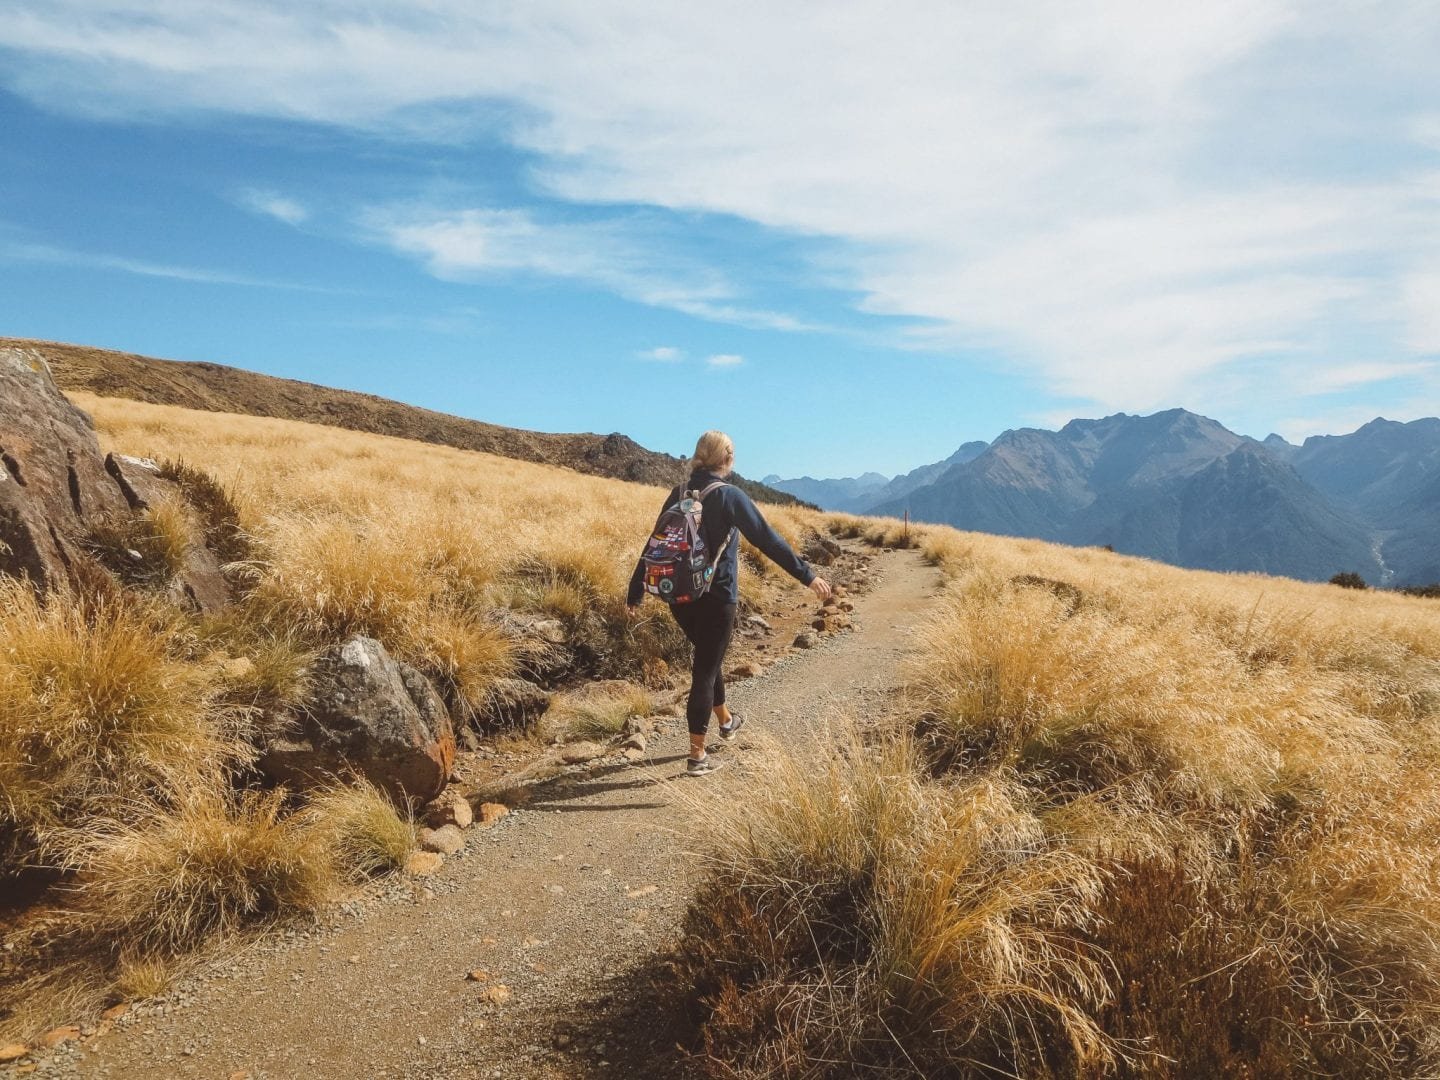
point(361, 828)
point(145, 549)
point(856, 918)
point(139, 976)
point(167, 879)
point(595, 715)
point(96, 709)
point(216, 508)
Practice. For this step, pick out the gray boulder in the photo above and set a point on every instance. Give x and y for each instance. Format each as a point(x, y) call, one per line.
point(370, 715)
point(53, 484)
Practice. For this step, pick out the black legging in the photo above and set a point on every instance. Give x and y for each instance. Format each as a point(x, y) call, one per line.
point(708, 623)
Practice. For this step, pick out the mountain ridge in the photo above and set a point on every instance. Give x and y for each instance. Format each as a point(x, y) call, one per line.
point(1180, 487)
point(223, 388)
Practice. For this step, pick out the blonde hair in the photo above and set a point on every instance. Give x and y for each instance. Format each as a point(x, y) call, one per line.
point(714, 452)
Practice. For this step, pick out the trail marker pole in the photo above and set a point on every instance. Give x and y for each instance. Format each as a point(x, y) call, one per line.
point(906, 531)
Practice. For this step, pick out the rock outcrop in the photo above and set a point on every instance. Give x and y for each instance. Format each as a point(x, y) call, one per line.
point(53, 484)
point(369, 715)
point(56, 489)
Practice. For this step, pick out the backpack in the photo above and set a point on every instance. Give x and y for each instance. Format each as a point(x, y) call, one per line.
point(678, 569)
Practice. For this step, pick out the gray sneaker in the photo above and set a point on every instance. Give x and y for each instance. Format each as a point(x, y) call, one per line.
point(701, 767)
point(730, 730)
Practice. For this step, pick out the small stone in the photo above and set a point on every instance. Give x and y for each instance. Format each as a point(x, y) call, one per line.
point(580, 752)
point(644, 890)
point(529, 943)
point(13, 1052)
point(631, 754)
point(634, 742)
point(420, 1040)
point(423, 863)
point(492, 812)
point(758, 620)
point(498, 994)
point(562, 1040)
point(805, 640)
point(450, 810)
point(115, 1011)
point(747, 670)
point(478, 975)
point(60, 1035)
point(446, 840)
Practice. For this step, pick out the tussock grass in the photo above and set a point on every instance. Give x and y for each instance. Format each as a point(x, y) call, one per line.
point(166, 879)
point(147, 548)
point(859, 919)
point(96, 708)
point(139, 977)
point(364, 833)
point(591, 715)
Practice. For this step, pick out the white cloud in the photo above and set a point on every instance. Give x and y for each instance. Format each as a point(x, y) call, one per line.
point(1134, 201)
point(1420, 293)
point(725, 360)
point(59, 256)
point(665, 353)
point(273, 205)
point(612, 254)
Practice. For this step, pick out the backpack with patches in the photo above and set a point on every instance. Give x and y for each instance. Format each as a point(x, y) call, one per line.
point(678, 569)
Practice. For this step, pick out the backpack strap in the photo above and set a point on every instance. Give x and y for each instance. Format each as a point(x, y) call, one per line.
point(730, 533)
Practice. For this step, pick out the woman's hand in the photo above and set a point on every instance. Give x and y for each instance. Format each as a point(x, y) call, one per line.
point(821, 588)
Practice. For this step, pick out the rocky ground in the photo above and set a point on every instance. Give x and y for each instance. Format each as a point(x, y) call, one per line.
point(527, 952)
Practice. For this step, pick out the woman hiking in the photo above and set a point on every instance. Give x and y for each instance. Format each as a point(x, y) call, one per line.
point(709, 620)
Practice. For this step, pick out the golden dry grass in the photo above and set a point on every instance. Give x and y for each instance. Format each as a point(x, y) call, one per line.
point(1128, 820)
point(164, 879)
point(97, 708)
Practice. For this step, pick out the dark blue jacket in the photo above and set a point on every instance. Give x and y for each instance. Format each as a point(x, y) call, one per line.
point(726, 509)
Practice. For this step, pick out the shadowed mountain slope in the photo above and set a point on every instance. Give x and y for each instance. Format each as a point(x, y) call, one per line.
point(1174, 486)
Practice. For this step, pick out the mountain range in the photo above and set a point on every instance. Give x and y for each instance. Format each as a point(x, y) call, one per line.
point(1182, 488)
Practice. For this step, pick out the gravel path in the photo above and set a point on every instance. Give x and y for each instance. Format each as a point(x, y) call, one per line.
point(554, 911)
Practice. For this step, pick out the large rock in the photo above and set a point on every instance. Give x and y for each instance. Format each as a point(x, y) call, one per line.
point(369, 715)
point(53, 484)
point(56, 487)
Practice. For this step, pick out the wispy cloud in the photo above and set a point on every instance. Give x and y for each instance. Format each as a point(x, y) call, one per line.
point(725, 360)
point(612, 254)
point(666, 353)
point(273, 204)
point(1133, 203)
point(59, 256)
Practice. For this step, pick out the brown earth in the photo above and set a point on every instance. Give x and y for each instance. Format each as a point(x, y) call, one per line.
point(527, 955)
point(218, 388)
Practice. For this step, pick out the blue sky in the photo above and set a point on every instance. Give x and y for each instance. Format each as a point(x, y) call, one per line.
point(853, 236)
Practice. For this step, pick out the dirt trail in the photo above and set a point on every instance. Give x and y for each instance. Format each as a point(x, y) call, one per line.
point(561, 903)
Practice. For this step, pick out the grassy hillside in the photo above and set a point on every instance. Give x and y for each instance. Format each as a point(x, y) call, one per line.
point(217, 388)
point(1127, 820)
